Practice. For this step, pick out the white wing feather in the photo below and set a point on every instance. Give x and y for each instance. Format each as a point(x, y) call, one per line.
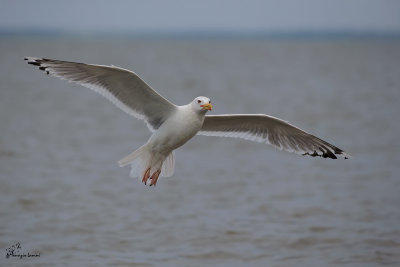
point(122, 87)
point(267, 129)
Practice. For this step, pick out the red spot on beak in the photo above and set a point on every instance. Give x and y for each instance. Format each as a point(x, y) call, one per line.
point(206, 106)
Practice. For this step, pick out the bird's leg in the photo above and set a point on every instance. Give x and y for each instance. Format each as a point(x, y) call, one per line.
point(146, 176)
point(154, 177)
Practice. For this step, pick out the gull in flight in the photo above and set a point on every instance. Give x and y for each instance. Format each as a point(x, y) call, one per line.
point(172, 125)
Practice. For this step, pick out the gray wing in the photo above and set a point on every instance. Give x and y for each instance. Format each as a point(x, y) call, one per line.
point(122, 87)
point(267, 129)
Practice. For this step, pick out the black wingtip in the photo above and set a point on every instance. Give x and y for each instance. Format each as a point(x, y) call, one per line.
point(315, 154)
point(34, 63)
point(327, 155)
point(38, 62)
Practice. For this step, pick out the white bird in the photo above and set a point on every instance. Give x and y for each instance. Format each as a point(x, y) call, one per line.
point(173, 125)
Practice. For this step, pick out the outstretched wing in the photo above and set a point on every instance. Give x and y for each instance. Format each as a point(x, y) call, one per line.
point(267, 129)
point(122, 87)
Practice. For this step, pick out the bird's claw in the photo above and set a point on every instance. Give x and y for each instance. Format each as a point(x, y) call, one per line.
point(146, 176)
point(154, 178)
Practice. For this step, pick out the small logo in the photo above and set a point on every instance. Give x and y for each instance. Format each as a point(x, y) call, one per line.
point(15, 251)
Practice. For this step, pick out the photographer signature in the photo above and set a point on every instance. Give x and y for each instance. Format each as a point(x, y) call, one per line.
point(15, 251)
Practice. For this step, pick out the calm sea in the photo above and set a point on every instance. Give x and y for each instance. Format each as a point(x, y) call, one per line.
point(231, 202)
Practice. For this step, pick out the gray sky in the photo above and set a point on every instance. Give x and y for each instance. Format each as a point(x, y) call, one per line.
point(202, 15)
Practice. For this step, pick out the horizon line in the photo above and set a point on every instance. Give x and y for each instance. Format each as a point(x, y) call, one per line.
point(204, 34)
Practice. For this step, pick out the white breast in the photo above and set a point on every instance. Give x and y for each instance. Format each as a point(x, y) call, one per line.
point(177, 130)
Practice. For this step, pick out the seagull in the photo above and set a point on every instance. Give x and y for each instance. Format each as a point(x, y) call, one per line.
point(172, 125)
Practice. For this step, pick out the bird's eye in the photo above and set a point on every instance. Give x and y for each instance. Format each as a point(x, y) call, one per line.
point(198, 101)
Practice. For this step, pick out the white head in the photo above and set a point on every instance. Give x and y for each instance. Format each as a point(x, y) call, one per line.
point(202, 103)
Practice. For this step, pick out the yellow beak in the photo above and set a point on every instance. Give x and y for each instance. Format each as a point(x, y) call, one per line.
point(206, 106)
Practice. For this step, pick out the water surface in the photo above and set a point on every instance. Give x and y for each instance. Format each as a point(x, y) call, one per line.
point(230, 202)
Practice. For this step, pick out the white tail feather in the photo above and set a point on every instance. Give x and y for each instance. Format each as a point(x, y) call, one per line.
point(131, 157)
point(168, 167)
point(139, 160)
point(142, 159)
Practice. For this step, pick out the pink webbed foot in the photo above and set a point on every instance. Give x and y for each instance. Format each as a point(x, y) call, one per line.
point(154, 178)
point(146, 176)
